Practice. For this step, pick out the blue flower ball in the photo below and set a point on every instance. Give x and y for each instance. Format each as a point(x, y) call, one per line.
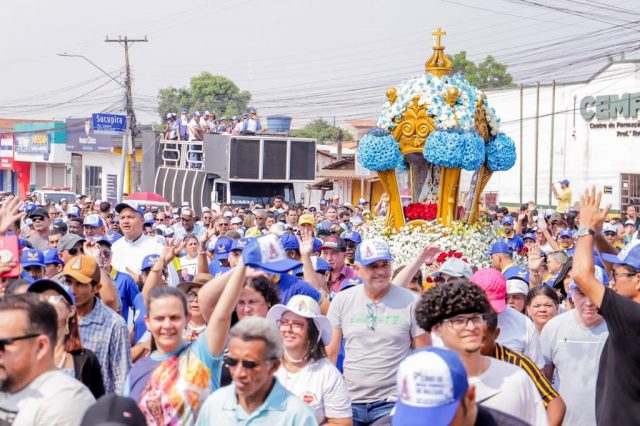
point(501, 153)
point(378, 150)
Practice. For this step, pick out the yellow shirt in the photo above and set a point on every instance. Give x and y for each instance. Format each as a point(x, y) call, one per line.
point(564, 200)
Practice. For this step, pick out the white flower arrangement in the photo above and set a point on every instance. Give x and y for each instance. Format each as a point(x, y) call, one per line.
point(432, 91)
point(492, 118)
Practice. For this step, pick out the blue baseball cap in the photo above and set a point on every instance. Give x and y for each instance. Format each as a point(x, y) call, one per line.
point(112, 237)
point(51, 257)
point(222, 248)
point(32, 257)
point(507, 220)
point(351, 236)
point(565, 182)
point(565, 233)
point(94, 221)
point(371, 251)
point(149, 261)
point(130, 205)
point(629, 256)
point(324, 226)
point(240, 244)
point(319, 264)
point(500, 247)
point(29, 207)
point(266, 253)
point(73, 211)
point(40, 286)
point(289, 242)
point(431, 383)
point(528, 236)
point(148, 219)
point(317, 244)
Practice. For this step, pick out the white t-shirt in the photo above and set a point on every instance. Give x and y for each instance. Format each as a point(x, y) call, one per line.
point(518, 333)
point(575, 352)
point(130, 254)
point(509, 389)
point(321, 386)
point(52, 399)
point(189, 265)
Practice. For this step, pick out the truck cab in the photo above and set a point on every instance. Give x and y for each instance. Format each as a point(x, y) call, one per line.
point(55, 194)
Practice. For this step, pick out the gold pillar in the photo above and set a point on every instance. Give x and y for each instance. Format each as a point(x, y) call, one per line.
point(448, 199)
point(395, 215)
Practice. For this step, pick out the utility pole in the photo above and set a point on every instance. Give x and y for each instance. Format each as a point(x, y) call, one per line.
point(132, 129)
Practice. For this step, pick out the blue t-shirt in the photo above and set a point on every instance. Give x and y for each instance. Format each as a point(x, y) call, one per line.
point(128, 291)
point(215, 268)
point(139, 311)
point(290, 285)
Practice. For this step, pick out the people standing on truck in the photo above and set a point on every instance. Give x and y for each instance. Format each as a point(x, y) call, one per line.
point(195, 128)
point(183, 125)
point(251, 124)
point(171, 129)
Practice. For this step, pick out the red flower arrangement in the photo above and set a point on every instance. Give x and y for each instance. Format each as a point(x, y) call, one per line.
point(443, 256)
point(421, 211)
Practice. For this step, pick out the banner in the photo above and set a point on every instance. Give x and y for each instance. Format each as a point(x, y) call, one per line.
point(6, 151)
point(32, 143)
point(82, 138)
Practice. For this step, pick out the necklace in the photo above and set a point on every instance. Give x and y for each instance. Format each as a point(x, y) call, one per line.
point(293, 360)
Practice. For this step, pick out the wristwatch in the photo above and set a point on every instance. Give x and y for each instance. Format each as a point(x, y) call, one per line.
point(583, 230)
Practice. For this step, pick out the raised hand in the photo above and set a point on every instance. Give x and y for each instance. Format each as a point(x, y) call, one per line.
point(534, 257)
point(306, 243)
point(590, 214)
point(9, 213)
point(429, 254)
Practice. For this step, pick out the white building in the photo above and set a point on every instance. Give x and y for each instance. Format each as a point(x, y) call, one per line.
point(596, 138)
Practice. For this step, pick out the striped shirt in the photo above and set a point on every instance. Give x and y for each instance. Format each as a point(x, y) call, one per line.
point(547, 393)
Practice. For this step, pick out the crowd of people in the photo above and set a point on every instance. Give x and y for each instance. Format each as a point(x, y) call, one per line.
point(285, 315)
point(193, 127)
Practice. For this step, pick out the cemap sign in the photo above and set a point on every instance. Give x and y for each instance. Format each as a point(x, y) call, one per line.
point(82, 138)
point(610, 107)
point(32, 143)
point(109, 124)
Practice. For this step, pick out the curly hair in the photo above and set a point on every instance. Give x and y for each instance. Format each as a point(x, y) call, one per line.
point(449, 299)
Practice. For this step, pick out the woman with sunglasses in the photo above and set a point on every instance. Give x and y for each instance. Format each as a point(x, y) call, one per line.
point(171, 383)
point(69, 355)
point(305, 370)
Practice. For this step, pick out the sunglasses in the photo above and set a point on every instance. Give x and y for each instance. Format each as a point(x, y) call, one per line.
point(37, 218)
point(185, 219)
point(610, 234)
point(73, 251)
point(106, 253)
point(248, 364)
point(11, 340)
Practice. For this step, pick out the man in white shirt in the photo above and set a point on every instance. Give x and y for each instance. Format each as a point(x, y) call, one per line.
point(129, 251)
point(517, 331)
point(572, 344)
point(33, 391)
point(460, 325)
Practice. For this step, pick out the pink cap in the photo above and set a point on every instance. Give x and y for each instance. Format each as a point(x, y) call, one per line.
point(494, 285)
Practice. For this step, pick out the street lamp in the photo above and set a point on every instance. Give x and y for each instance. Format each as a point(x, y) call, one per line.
point(67, 55)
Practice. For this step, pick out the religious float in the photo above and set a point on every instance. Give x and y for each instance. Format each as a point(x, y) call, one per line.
point(432, 127)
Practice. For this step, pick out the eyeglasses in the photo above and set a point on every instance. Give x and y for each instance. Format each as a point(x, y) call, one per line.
point(224, 224)
point(37, 218)
point(460, 323)
point(55, 299)
point(106, 253)
point(610, 234)
point(73, 251)
point(11, 340)
point(350, 244)
point(372, 321)
point(441, 280)
point(293, 325)
point(157, 220)
point(185, 219)
point(191, 296)
point(246, 363)
point(615, 274)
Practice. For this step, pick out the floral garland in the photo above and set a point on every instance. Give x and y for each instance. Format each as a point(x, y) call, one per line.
point(492, 118)
point(473, 242)
point(379, 151)
point(501, 153)
point(453, 149)
point(420, 211)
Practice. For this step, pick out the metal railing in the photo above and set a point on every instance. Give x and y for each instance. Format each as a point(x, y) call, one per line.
point(182, 154)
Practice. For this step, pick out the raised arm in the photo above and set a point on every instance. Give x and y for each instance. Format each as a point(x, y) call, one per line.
point(211, 292)
point(203, 262)
point(155, 274)
point(220, 320)
point(426, 255)
point(583, 266)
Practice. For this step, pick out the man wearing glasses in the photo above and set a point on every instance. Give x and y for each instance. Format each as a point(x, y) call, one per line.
point(256, 396)
point(187, 224)
point(377, 321)
point(39, 237)
point(34, 391)
point(456, 312)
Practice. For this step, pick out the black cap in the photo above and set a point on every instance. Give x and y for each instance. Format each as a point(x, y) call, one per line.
point(558, 283)
point(114, 410)
point(40, 211)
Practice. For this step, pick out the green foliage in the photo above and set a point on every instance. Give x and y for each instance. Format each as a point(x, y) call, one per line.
point(488, 74)
point(322, 131)
point(209, 92)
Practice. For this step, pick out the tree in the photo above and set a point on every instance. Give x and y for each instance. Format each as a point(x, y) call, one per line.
point(322, 131)
point(206, 92)
point(489, 74)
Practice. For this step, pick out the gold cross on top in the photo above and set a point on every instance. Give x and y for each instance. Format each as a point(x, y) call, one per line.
point(438, 33)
